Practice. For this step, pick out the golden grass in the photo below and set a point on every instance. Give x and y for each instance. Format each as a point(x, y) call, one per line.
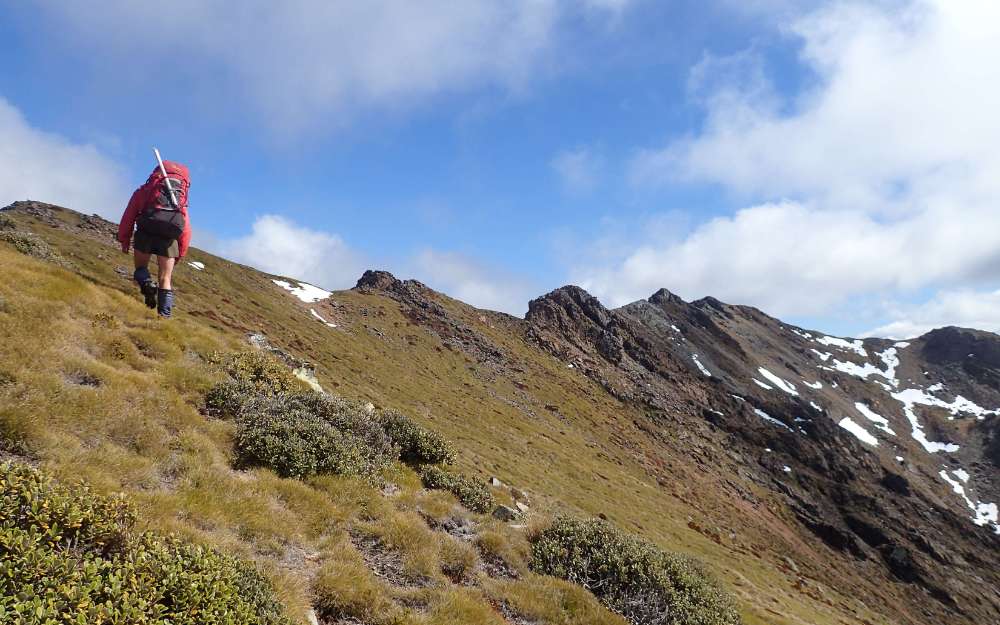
point(140, 431)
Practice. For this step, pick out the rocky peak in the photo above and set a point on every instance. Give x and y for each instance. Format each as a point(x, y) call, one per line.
point(570, 303)
point(663, 297)
point(958, 345)
point(376, 280)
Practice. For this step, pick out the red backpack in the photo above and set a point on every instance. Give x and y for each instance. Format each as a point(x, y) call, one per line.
point(160, 217)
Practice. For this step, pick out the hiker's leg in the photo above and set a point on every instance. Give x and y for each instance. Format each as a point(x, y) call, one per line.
point(143, 279)
point(166, 266)
point(165, 294)
point(141, 259)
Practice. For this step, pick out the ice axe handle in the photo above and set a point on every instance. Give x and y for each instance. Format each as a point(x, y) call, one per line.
point(163, 170)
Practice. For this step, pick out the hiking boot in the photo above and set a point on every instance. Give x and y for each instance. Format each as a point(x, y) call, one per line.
point(146, 286)
point(165, 303)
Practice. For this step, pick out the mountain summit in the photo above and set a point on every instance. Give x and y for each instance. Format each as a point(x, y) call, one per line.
point(822, 479)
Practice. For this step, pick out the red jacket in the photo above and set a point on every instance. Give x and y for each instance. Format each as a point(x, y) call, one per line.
point(142, 197)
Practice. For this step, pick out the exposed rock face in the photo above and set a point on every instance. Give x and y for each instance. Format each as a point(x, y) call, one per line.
point(733, 375)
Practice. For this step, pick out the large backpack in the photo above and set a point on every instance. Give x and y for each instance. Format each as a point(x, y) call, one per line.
point(160, 217)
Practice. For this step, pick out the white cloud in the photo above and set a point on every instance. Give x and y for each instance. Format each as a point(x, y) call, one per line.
point(303, 62)
point(964, 308)
point(49, 168)
point(278, 246)
point(579, 169)
point(881, 177)
point(473, 282)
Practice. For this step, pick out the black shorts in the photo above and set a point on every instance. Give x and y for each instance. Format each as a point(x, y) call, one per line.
point(151, 244)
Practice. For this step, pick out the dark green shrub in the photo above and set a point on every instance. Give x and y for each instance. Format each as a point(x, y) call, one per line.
point(417, 445)
point(31, 245)
point(473, 494)
point(252, 374)
point(65, 517)
point(303, 434)
point(632, 577)
point(6, 223)
point(66, 556)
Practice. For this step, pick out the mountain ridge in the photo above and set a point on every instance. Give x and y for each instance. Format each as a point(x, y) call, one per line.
point(708, 411)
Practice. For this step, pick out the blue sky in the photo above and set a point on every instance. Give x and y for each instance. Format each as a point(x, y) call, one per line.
point(801, 157)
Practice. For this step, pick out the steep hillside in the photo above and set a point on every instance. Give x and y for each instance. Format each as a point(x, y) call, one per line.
point(823, 480)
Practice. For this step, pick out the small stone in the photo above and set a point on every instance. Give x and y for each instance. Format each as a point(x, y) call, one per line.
point(369, 408)
point(311, 617)
point(505, 513)
point(523, 507)
point(495, 482)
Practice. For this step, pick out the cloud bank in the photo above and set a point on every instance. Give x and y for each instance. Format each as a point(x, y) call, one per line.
point(879, 178)
point(44, 166)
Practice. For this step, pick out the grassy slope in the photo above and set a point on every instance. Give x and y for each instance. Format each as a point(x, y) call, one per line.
point(140, 431)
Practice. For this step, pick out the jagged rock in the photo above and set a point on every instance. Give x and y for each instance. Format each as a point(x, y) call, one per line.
point(373, 280)
point(505, 513)
point(495, 482)
point(521, 506)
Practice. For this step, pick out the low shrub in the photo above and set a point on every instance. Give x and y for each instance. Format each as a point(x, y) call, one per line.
point(252, 375)
point(632, 577)
point(302, 434)
point(6, 223)
point(473, 494)
point(31, 245)
point(417, 445)
point(69, 557)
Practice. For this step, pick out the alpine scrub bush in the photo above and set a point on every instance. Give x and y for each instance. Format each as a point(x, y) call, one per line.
point(417, 445)
point(68, 556)
point(302, 434)
point(473, 494)
point(32, 245)
point(632, 577)
point(252, 374)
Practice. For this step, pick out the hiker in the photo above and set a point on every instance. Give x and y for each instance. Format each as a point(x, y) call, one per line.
point(161, 228)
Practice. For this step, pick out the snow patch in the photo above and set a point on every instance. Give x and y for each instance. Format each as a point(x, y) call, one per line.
point(197, 265)
point(306, 292)
point(880, 422)
point(861, 433)
point(983, 513)
point(816, 385)
point(701, 367)
point(763, 415)
point(855, 346)
point(761, 384)
point(899, 458)
point(889, 358)
point(320, 317)
point(909, 398)
point(961, 474)
point(815, 406)
point(675, 328)
point(786, 469)
point(901, 345)
point(824, 356)
point(783, 385)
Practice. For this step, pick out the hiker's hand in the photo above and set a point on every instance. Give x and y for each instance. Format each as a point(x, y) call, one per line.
point(125, 247)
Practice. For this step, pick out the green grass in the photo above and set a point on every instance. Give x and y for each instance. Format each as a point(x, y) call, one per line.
point(140, 430)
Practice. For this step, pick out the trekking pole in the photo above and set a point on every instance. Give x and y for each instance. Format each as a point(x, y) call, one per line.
point(163, 170)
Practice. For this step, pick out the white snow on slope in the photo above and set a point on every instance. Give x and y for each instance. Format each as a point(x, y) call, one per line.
point(983, 513)
point(889, 359)
point(675, 328)
point(783, 385)
point(320, 317)
point(762, 385)
point(815, 406)
point(861, 433)
point(855, 346)
point(824, 356)
point(197, 265)
point(763, 415)
point(961, 474)
point(901, 344)
point(909, 398)
point(816, 385)
point(305, 292)
point(880, 422)
point(701, 367)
